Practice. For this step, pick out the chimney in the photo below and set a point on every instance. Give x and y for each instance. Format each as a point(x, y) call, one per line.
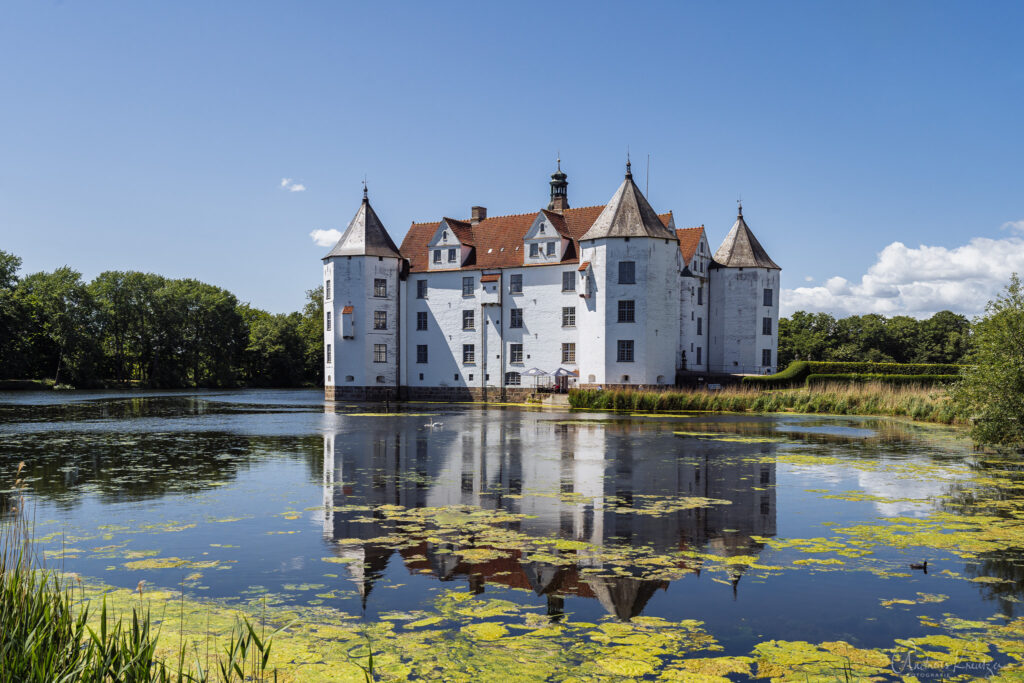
point(479, 214)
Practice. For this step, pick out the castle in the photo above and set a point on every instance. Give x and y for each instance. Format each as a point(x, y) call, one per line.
point(600, 296)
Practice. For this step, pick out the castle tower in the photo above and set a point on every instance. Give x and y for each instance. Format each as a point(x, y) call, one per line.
point(630, 263)
point(559, 190)
point(744, 307)
point(361, 311)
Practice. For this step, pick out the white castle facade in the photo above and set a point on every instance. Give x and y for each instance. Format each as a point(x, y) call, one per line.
point(602, 296)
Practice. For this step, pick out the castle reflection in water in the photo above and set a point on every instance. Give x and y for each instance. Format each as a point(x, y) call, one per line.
point(526, 465)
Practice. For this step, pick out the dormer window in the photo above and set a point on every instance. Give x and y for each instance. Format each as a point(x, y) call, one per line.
point(451, 256)
point(444, 235)
point(534, 250)
point(437, 256)
point(551, 248)
point(542, 228)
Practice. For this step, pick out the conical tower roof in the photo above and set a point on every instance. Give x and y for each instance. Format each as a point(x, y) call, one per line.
point(365, 236)
point(628, 214)
point(740, 249)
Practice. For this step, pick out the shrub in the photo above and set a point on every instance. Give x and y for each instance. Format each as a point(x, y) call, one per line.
point(863, 377)
point(798, 371)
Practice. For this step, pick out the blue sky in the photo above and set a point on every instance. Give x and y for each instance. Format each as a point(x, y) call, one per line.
point(876, 145)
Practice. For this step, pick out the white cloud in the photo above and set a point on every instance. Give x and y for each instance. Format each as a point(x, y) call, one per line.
point(920, 281)
point(291, 185)
point(808, 278)
point(325, 238)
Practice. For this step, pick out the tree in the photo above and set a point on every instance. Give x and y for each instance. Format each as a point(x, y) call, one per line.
point(943, 338)
point(312, 330)
point(992, 390)
point(59, 326)
point(10, 314)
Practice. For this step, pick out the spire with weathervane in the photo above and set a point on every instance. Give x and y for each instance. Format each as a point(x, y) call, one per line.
point(559, 190)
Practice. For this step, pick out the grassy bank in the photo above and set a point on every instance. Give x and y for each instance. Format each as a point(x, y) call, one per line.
point(930, 404)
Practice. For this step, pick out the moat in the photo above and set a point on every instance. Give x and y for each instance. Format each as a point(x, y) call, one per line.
point(740, 529)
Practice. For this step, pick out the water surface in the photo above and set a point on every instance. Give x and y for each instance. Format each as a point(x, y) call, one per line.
point(762, 528)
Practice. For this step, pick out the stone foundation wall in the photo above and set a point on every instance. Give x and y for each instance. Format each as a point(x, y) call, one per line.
point(442, 394)
point(361, 394)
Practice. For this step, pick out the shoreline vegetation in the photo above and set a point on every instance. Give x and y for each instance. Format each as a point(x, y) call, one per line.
point(926, 404)
point(52, 631)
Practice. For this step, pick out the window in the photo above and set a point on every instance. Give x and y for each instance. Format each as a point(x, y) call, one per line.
point(551, 248)
point(515, 283)
point(700, 326)
point(451, 256)
point(328, 322)
point(700, 296)
point(437, 256)
point(766, 505)
point(380, 287)
point(421, 354)
point(698, 354)
point(516, 319)
point(767, 297)
point(380, 320)
point(569, 352)
point(568, 281)
point(468, 353)
point(380, 353)
point(766, 356)
point(534, 250)
point(627, 272)
point(380, 379)
point(512, 379)
point(468, 323)
point(542, 228)
point(515, 353)
point(766, 325)
point(327, 290)
point(327, 353)
point(421, 320)
point(421, 289)
point(625, 351)
point(627, 311)
point(467, 286)
point(568, 316)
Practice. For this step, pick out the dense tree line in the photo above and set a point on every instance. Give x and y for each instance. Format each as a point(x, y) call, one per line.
point(132, 327)
point(942, 338)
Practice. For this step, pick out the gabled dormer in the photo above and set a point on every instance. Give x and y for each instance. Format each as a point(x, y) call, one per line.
point(547, 239)
point(451, 245)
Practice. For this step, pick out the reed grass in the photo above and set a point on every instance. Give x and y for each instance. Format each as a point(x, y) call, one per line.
point(47, 634)
point(928, 404)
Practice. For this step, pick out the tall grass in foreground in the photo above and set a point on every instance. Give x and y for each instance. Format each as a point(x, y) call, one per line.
point(931, 404)
point(47, 636)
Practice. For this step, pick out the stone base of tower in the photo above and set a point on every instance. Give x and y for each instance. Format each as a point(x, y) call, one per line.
point(440, 394)
point(363, 393)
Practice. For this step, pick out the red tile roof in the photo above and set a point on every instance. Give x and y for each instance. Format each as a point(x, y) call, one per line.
point(688, 238)
point(347, 309)
point(490, 277)
point(584, 266)
point(498, 240)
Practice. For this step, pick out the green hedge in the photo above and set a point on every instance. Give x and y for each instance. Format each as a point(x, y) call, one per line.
point(881, 378)
point(798, 371)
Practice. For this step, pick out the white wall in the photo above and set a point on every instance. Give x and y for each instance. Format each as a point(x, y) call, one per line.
point(655, 332)
point(542, 333)
point(352, 284)
point(736, 314)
